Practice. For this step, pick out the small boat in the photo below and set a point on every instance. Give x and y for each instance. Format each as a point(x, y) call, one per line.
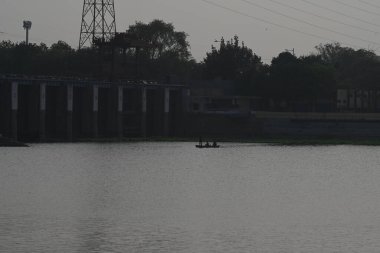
point(207, 146)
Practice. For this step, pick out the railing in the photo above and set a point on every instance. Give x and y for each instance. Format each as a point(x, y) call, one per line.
point(68, 80)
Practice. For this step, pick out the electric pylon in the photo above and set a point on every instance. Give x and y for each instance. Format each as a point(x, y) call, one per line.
point(98, 22)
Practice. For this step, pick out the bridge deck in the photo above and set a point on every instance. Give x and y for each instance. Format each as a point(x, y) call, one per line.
point(84, 82)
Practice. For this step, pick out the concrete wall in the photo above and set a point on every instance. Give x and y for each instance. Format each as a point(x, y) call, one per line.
point(28, 112)
point(320, 124)
point(220, 125)
point(291, 124)
point(5, 109)
point(32, 111)
point(56, 113)
point(37, 111)
point(320, 128)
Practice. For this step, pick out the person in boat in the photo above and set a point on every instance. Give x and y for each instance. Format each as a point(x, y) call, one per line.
point(214, 144)
point(200, 142)
point(207, 145)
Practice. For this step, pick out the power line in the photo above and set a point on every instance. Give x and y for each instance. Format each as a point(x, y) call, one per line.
point(356, 8)
point(275, 24)
point(13, 35)
point(323, 17)
point(370, 4)
point(340, 13)
point(310, 24)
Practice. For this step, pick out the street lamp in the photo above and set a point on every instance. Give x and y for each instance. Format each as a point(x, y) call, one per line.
point(27, 26)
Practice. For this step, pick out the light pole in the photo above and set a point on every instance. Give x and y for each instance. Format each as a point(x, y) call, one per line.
point(27, 26)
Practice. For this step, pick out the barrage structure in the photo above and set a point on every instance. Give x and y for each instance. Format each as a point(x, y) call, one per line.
point(53, 108)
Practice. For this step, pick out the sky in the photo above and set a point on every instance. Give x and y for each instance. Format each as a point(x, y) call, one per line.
point(268, 27)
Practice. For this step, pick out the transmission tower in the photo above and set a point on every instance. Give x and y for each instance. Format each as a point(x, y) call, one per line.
point(98, 22)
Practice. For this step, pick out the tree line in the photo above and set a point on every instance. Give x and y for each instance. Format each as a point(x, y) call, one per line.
point(287, 78)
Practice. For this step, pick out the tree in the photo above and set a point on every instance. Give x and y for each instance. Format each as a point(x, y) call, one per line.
point(356, 70)
point(305, 79)
point(6, 56)
point(25, 58)
point(161, 53)
point(353, 68)
point(61, 46)
point(285, 74)
point(231, 61)
point(162, 38)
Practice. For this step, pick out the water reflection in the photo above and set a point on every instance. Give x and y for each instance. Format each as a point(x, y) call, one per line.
point(175, 198)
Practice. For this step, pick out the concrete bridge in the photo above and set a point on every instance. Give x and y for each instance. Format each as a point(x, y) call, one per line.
point(52, 108)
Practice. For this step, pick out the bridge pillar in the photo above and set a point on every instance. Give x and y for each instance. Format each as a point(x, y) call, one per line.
point(166, 111)
point(186, 100)
point(120, 102)
point(14, 110)
point(95, 111)
point(70, 102)
point(42, 131)
point(143, 111)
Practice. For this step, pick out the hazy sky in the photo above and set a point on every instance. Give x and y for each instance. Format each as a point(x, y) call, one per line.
point(55, 20)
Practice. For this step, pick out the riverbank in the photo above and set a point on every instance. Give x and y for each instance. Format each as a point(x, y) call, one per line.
point(5, 142)
point(288, 141)
point(273, 140)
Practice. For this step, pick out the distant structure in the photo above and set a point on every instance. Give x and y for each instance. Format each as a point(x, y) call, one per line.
point(27, 26)
point(292, 51)
point(98, 22)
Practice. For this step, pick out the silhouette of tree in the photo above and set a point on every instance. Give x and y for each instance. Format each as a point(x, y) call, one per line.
point(163, 39)
point(61, 46)
point(305, 79)
point(353, 68)
point(166, 52)
point(287, 79)
point(232, 61)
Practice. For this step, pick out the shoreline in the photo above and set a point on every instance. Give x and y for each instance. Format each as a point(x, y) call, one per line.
point(275, 140)
point(5, 142)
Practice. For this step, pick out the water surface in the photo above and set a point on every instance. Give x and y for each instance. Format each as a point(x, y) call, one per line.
point(171, 197)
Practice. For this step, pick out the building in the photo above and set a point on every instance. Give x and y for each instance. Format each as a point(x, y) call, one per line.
point(358, 100)
point(218, 97)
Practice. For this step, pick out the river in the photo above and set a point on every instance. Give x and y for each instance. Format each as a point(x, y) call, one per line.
point(172, 197)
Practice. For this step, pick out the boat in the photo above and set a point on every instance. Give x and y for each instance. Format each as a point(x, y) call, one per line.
point(207, 146)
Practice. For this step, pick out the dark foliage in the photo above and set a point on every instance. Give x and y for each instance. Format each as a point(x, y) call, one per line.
point(167, 56)
point(288, 78)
